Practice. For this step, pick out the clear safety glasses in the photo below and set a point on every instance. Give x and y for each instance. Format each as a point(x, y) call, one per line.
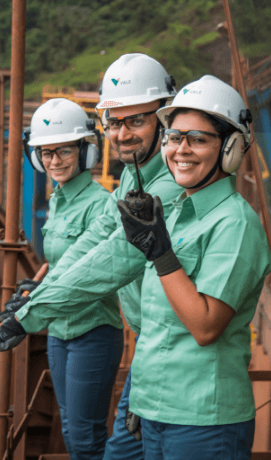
point(62, 152)
point(132, 122)
point(198, 140)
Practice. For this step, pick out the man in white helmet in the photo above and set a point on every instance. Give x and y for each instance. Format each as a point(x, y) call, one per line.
point(101, 261)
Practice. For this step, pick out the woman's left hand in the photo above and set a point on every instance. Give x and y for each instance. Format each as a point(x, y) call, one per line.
point(150, 237)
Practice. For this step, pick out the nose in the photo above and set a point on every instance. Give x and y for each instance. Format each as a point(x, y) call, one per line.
point(124, 133)
point(56, 159)
point(184, 147)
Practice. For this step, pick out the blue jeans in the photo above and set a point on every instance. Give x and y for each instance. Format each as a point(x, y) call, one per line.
point(122, 445)
point(164, 441)
point(83, 373)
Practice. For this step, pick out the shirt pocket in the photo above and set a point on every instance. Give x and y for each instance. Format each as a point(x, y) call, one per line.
point(62, 230)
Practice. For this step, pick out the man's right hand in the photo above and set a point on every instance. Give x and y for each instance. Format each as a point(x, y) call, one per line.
point(13, 305)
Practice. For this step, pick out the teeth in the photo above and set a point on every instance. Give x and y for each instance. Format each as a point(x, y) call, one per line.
point(185, 164)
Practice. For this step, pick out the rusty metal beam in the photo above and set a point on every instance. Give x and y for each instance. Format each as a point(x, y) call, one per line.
point(2, 108)
point(253, 151)
point(13, 188)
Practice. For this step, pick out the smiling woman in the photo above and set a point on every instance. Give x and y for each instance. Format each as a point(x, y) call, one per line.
point(190, 382)
point(60, 161)
point(83, 353)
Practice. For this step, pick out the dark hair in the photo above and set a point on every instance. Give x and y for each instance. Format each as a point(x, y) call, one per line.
point(222, 128)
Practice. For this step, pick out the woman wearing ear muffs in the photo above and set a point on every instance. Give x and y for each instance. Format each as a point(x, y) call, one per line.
point(190, 382)
point(84, 349)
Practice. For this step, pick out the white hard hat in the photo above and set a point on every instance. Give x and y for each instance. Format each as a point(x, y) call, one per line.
point(214, 97)
point(135, 79)
point(58, 120)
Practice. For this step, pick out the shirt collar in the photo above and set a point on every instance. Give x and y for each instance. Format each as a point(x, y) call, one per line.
point(148, 170)
point(209, 197)
point(73, 187)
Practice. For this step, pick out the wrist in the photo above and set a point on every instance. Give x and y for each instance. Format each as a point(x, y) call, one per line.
point(167, 263)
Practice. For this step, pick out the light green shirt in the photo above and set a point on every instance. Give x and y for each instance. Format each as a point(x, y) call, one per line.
point(72, 209)
point(222, 247)
point(102, 261)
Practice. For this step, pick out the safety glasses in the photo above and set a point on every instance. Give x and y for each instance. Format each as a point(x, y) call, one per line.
point(62, 152)
point(198, 140)
point(132, 122)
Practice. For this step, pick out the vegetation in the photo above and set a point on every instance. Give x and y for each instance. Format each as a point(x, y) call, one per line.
point(72, 42)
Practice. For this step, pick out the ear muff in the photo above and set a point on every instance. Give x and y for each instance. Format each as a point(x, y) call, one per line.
point(163, 146)
point(232, 152)
point(105, 124)
point(88, 155)
point(32, 156)
point(36, 163)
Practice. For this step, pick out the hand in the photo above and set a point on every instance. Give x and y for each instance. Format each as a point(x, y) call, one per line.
point(11, 333)
point(150, 237)
point(27, 285)
point(12, 305)
point(132, 423)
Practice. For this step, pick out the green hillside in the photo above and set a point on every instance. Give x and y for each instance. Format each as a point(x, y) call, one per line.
point(71, 43)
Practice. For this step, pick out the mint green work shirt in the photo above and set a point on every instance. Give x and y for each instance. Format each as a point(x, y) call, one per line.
point(222, 247)
point(72, 209)
point(102, 261)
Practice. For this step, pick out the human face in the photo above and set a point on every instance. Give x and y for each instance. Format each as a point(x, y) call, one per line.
point(127, 142)
point(61, 170)
point(188, 165)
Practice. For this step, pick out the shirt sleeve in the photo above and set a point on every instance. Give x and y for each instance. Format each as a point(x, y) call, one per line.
point(106, 268)
point(235, 262)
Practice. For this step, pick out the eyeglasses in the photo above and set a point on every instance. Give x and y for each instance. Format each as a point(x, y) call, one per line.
point(198, 140)
point(132, 122)
point(62, 153)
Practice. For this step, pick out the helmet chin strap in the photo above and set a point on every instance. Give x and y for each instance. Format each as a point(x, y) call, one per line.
point(205, 179)
point(154, 142)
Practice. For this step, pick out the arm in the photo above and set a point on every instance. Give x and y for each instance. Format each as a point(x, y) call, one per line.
point(204, 316)
point(107, 267)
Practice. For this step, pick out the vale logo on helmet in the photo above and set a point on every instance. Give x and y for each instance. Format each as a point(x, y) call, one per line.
point(115, 81)
point(47, 122)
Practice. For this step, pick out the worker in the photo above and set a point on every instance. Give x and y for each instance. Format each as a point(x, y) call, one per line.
point(84, 349)
point(133, 88)
point(204, 274)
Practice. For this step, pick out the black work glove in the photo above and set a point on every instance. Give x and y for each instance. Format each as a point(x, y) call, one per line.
point(12, 305)
point(11, 333)
point(132, 423)
point(150, 237)
point(27, 285)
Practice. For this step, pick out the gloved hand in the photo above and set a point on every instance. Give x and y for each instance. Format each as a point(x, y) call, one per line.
point(132, 423)
point(27, 285)
point(150, 237)
point(12, 305)
point(11, 333)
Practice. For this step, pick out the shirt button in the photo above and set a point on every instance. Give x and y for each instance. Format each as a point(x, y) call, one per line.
point(24, 310)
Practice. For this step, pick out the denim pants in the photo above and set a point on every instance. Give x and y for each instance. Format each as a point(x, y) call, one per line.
point(83, 373)
point(165, 441)
point(122, 445)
